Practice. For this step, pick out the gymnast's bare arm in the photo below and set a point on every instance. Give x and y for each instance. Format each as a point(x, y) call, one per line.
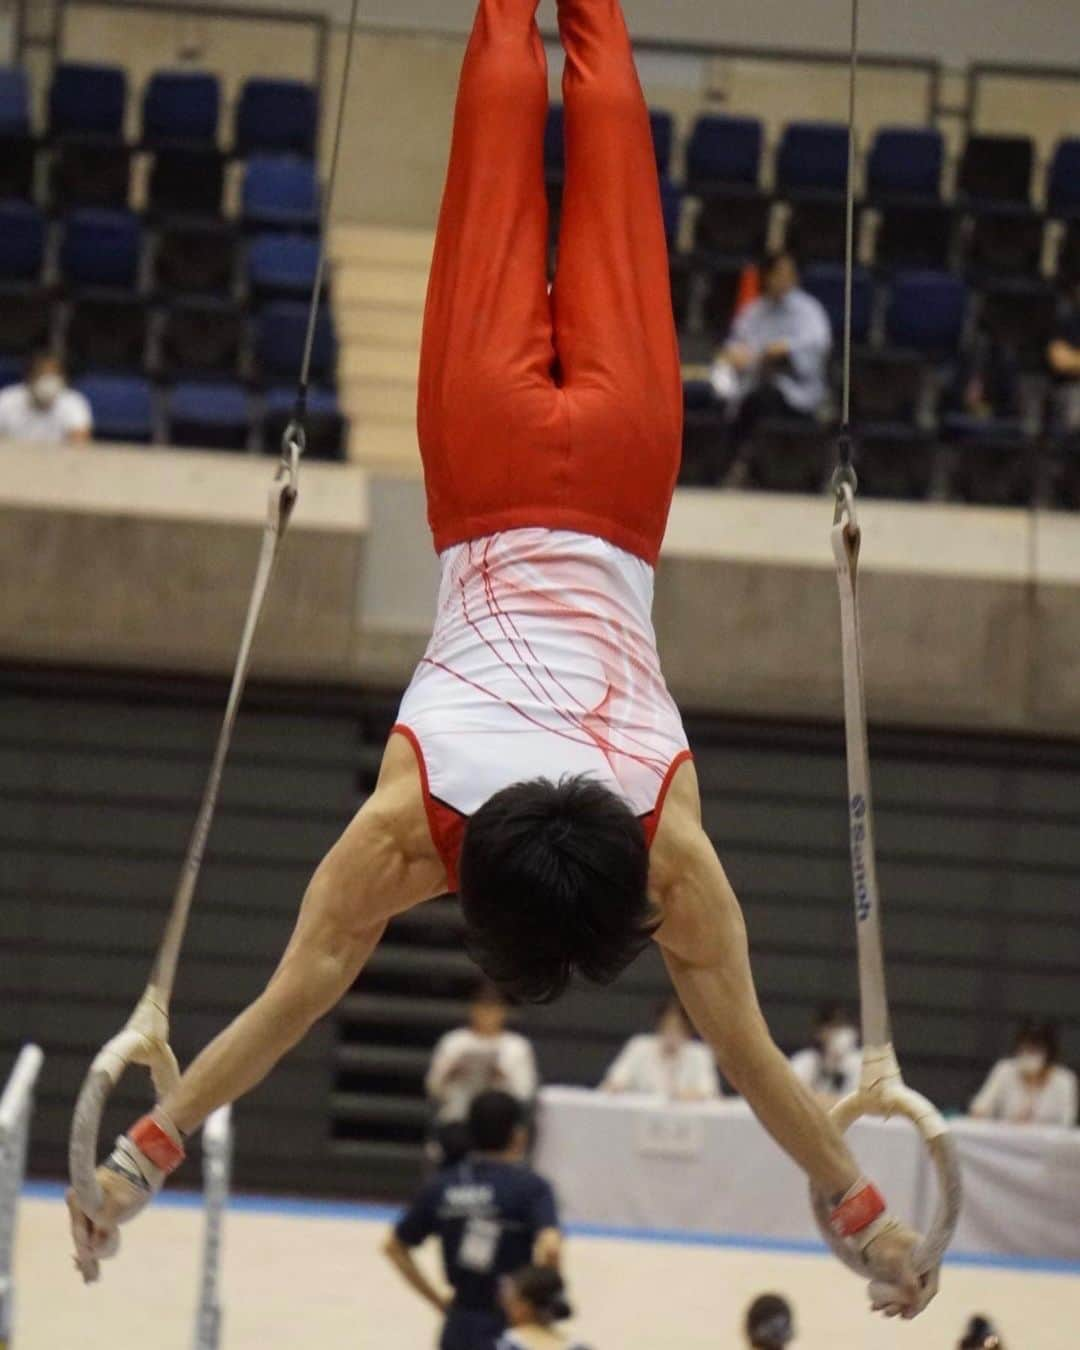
point(383, 864)
point(703, 938)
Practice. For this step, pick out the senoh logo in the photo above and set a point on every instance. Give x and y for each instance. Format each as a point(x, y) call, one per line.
point(858, 857)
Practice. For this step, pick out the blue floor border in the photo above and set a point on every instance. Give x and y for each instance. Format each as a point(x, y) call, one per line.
point(359, 1211)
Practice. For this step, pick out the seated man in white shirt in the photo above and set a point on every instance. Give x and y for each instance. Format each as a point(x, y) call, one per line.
point(831, 1065)
point(668, 1064)
point(481, 1057)
point(1031, 1088)
point(775, 360)
point(43, 410)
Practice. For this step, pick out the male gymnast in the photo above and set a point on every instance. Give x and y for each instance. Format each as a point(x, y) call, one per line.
point(539, 766)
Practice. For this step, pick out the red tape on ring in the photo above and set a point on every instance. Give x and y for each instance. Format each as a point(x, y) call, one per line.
point(857, 1211)
point(162, 1150)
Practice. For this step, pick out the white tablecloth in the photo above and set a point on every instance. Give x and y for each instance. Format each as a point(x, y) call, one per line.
point(629, 1162)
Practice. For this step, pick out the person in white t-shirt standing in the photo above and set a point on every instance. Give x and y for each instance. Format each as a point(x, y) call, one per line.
point(1031, 1088)
point(481, 1057)
point(669, 1063)
point(44, 410)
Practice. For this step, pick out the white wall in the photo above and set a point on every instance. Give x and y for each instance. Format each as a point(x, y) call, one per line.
point(958, 31)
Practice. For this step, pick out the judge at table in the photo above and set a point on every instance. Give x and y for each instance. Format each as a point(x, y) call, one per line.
point(670, 1063)
point(1031, 1088)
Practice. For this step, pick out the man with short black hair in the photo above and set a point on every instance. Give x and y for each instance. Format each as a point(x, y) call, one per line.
point(492, 1215)
point(770, 1323)
point(539, 766)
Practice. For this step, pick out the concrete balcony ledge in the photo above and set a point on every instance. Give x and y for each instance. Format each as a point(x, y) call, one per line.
point(145, 558)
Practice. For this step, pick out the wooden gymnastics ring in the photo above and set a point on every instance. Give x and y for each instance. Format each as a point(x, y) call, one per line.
point(882, 1093)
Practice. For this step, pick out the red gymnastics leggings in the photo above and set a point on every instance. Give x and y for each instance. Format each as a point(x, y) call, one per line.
point(565, 410)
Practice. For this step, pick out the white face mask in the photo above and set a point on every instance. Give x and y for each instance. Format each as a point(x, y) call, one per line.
point(46, 389)
point(838, 1044)
point(1031, 1063)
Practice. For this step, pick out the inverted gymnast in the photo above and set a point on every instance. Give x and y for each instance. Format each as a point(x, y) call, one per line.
point(539, 766)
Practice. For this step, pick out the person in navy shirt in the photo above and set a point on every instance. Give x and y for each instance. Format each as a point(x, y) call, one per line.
point(492, 1215)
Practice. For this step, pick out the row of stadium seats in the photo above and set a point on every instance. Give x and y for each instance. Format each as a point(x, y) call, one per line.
point(90, 163)
point(988, 228)
point(107, 331)
point(218, 415)
point(179, 107)
point(112, 248)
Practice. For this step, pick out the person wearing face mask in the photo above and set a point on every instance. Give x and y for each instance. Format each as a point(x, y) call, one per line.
point(830, 1067)
point(669, 1063)
point(43, 410)
point(770, 1323)
point(1031, 1088)
point(534, 1302)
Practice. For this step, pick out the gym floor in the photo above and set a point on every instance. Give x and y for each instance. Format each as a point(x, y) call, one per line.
point(309, 1275)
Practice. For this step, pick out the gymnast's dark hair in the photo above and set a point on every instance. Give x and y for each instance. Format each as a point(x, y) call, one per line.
point(553, 879)
point(544, 1291)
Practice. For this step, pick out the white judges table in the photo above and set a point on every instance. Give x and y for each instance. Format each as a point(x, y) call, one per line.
point(639, 1162)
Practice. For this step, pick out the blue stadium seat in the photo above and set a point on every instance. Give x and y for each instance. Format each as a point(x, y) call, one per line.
point(811, 176)
point(724, 151)
point(813, 156)
point(895, 460)
point(279, 343)
point(826, 282)
point(663, 134)
point(202, 336)
point(325, 426)
point(209, 416)
point(101, 248)
point(12, 370)
point(995, 169)
point(14, 102)
point(281, 192)
point(280, 116)
point(1063, 180)
point(26, 318)
point(187, 180)
point(671, 203)
point(905, 162)
point(927, 312)
point(22, 241)
point(282, 266)
point(87, 100)
point(181, 106)
point(17, 149)
point(123, 407)
point(554, 146)
point(195, 257)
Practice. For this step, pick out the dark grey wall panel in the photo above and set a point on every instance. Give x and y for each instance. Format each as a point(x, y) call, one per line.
point(100, 779)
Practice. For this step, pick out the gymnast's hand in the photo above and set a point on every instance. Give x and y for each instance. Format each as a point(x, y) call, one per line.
point(129, 1179)
point(897, 1290)
point(96, 1236)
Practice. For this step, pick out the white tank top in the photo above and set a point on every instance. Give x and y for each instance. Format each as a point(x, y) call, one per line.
point(543, 663)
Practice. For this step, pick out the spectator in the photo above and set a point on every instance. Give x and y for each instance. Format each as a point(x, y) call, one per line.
point(1063, 358)
point(1031, 1088)
point(492, 1215)
point(981, 1335)
point(830, 1067)
point(475, 1059)
point(534, 1301)
point(770, 1324)
point(668, 1064)
point(43, 409)
point(774, 362)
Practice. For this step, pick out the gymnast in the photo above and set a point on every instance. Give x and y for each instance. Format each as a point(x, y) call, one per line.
point(539, 767)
